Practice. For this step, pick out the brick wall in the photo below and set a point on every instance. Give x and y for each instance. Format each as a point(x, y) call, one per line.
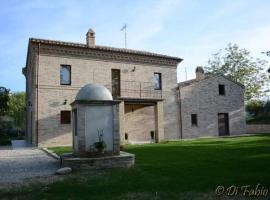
point(139, 122)
point(83, 71)
point(202, 98)
point(258, 128)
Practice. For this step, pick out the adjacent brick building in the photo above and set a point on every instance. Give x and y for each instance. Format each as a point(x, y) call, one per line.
point(144, 82)
point(211, 106)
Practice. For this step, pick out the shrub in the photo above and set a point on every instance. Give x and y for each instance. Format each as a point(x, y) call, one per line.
point(255, 107)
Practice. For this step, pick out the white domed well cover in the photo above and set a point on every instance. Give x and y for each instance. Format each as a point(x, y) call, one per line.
point(94, 92)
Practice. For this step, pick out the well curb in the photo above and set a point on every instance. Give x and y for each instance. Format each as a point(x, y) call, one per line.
point(50, 153)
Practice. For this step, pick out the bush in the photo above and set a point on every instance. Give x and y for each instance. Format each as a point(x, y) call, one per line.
point(4, 139)
point(6, 124)
point(267, 108)
point(258, 112)
point(255, 107)
point(259, 120)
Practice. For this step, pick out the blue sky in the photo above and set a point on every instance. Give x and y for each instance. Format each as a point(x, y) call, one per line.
point(192, 30)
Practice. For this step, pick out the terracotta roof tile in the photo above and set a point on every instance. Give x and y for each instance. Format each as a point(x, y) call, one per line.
point(192, 81)
point(103, 48)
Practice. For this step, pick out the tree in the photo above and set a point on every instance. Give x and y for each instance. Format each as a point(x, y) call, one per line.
point(238, 65)
point(4, 98)
point(267, 108)
point(16, 107)
point(255, 107)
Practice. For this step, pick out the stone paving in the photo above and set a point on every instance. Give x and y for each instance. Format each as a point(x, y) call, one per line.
point(17, 165)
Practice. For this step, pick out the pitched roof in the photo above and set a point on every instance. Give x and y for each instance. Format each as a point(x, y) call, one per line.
point(192, 81)
point(103, 48)
point(188, 82)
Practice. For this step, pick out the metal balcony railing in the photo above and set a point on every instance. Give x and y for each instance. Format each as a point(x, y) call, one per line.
point(134, 89)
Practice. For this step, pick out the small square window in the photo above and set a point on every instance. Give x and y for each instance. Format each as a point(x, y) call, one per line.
point(221, 89)
point(194, 121)
point(65, 75)
point(157, 81)
point(126, 136)
point(65, 117)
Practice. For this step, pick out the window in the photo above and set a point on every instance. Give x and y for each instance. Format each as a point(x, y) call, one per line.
point(157, 81)
point(116, 82)
point(221, 89)
point(126, 136)
point(152, 134)
point(194, 121)
point(65, 75)
point(65, 117)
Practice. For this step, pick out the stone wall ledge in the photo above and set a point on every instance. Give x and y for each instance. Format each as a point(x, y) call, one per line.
point(258, 128)
point(124, 160)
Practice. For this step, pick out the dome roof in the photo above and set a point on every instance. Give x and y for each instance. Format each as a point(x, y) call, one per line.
point(94, 91)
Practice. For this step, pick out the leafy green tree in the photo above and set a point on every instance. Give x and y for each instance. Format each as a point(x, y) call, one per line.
point(255, 107)
point(4, 98)
point(267, 108)
point(16, 106)
point(238, 65)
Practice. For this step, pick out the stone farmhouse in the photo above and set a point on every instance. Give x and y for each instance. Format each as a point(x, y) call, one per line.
point(153, 106)
point(144, 82)
point(211, 106)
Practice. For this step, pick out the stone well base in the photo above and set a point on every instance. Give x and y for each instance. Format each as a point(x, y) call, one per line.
point(124, 160)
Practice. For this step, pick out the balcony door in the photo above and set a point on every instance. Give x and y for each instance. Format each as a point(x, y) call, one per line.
point(116, 83)
point(223, 124)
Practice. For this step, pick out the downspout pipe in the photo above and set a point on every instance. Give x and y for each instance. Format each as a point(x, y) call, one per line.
point(37, 94)
point(180, 112)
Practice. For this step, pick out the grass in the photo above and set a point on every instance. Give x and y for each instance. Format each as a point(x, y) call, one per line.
point(61, 150)
point(172, 170)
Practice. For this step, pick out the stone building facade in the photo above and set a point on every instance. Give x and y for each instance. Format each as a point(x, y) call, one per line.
point(149, 110)
point(211, 106)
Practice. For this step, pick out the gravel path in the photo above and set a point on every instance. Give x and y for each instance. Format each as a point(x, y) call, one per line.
point(18, 165)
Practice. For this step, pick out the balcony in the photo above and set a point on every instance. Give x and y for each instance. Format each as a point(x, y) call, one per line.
point(134, 89)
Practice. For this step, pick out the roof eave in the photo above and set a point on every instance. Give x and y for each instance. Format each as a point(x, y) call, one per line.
point(111, 49)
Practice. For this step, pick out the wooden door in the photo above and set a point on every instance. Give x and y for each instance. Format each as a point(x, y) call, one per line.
point(116, 83)
point(223, 124)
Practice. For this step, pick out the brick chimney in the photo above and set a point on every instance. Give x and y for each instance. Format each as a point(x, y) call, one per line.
point(90, 38)
point(199, 73)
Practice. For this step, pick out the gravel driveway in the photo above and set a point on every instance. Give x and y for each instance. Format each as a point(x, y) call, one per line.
point(18, 165)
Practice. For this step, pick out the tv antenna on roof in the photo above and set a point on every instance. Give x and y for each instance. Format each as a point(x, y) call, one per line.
point(124, 28)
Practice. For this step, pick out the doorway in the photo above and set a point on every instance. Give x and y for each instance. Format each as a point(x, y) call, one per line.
point(116, 83)
point(223, 124)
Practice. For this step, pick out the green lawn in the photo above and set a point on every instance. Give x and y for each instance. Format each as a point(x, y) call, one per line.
point(61, 150)
point(173, 170)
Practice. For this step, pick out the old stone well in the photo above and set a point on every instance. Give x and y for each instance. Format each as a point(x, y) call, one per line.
point(95, 127)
